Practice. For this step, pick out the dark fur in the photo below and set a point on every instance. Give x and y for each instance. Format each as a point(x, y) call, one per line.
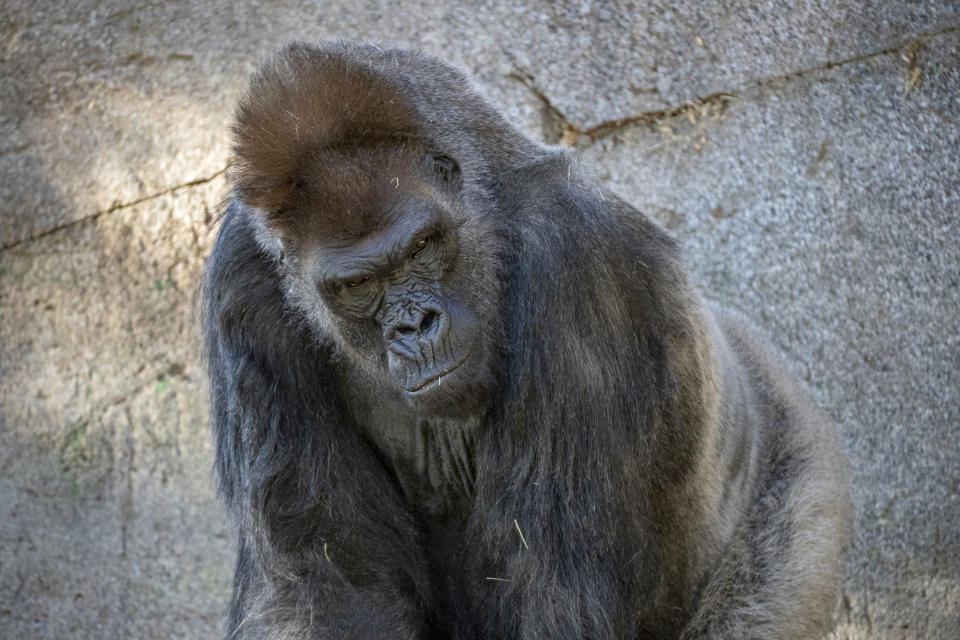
point(623, 465)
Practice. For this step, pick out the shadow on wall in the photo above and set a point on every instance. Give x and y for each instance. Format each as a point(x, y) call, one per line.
point(108, 519)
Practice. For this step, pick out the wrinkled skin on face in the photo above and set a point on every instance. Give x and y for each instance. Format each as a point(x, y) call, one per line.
point(392, 275)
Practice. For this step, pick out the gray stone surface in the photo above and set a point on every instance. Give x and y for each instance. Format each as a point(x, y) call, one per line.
point(806, 153)
point(108, 525)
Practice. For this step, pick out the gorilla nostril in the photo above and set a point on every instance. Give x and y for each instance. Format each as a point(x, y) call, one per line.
point(421, 323)
point(429, 322)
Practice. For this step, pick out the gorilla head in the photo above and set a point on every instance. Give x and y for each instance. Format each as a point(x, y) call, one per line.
point(377, 245)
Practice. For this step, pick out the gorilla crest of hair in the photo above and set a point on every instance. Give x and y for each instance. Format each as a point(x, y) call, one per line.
point(460, 392)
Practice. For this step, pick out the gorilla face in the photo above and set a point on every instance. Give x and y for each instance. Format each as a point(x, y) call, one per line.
point(392, 277)
point(393, 287)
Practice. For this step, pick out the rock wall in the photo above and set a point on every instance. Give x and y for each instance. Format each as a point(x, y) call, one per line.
point(806, 154)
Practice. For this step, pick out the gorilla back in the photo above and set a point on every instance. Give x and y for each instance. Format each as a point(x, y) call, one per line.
point(460, 392)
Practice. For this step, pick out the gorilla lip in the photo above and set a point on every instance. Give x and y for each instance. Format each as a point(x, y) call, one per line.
point(420, 387)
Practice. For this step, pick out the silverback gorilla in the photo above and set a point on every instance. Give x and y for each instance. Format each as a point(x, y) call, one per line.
point(460, 392)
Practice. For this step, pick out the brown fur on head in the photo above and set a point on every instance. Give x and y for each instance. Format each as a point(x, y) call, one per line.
point(303, 126)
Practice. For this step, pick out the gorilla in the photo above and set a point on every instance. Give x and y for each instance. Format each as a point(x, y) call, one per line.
point(459, 391)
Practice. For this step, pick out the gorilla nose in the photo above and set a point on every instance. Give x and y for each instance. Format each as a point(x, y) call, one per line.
point(422, 325)
point(417, 326)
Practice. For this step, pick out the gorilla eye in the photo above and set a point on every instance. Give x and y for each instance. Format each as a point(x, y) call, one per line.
point(356, 282)
point(423, 249)
point(420, 246)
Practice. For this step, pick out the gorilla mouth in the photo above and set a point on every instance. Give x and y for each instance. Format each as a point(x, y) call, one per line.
point(423, 385)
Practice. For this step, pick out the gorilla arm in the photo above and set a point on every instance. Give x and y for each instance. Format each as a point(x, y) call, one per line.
point(603, 351)
point(318, 555)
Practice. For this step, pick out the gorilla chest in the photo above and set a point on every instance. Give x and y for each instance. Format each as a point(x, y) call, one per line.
point(432, 459)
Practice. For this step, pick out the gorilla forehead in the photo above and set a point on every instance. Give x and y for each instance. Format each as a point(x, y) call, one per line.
point(344, 195)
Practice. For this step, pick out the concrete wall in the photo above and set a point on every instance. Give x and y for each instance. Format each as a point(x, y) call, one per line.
point(806, 153)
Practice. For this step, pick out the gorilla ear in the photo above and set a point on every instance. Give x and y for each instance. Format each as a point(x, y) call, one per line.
point(443, 168)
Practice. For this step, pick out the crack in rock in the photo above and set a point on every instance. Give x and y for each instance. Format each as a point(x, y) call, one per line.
point(114, 207)
point(560, 130)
